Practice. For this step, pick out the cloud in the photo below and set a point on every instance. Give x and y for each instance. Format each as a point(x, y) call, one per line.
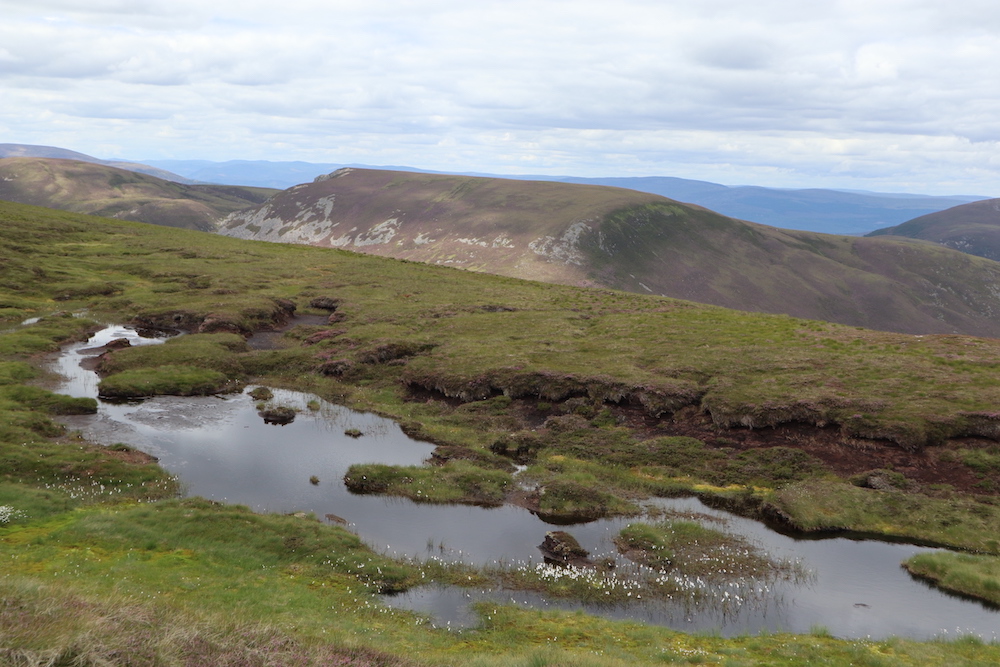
point(902, 91)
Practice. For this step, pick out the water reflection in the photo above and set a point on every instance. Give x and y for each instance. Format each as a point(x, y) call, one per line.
point(221, 449)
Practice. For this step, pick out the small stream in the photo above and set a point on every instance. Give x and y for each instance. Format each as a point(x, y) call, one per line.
point(221, 449)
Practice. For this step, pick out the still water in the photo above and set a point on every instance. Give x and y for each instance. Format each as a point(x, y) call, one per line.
point(221, 449)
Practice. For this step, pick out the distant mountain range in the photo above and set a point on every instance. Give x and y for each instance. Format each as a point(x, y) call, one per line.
point(567, 232)
point(817, 210)
point(612, 237)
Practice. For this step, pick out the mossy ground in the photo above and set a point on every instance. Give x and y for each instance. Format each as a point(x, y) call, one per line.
point(593, 380)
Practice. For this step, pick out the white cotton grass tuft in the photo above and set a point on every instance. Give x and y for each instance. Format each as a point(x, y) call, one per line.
point(8, 514)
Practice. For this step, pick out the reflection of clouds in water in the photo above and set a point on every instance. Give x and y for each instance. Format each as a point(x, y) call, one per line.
point(332, 417)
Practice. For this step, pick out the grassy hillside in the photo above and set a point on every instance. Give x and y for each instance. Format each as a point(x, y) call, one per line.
point(96, 189)
point(605, 397)
point(29, 150)
point(610, 237)
point(972, 228)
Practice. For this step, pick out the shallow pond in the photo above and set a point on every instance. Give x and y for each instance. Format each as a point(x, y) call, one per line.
point(221, 449)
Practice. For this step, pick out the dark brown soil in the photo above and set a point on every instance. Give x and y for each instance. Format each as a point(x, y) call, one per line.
point(844, 456)
point(271, 340)
point(926, 469)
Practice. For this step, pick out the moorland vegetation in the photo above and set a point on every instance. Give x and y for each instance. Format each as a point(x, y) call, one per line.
point(602, 398)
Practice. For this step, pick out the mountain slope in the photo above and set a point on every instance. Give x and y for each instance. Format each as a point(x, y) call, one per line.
point(598, 236)
point(28, 150)
point(972, 228)
point(84, 187)
point(815, 210)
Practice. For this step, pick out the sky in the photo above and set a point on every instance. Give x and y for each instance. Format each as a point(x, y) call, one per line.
point(885, 95)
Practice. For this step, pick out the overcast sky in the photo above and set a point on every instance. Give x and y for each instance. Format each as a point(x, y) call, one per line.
point(890, 95)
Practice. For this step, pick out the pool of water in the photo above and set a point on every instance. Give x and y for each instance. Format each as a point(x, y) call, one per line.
point(221, 449)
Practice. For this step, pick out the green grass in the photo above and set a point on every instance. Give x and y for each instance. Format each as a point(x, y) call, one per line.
point(454, 482)
point(46, 401)
point(692, 549)
point(965, 574)
point(197, 582)
point(583, 374)
point(171, 380)
point(963, 522)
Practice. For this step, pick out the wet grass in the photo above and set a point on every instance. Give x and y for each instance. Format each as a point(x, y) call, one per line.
point(166, 380)
point(546, 340)
point(692, 549)
point(453, 482)
point(963, 522)
point(965, 574)
point(195, 365)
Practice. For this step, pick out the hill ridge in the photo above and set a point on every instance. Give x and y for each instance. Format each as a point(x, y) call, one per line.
point(98, 189)
point(598, 236)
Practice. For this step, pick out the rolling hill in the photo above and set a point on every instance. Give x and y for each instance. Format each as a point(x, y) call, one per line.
point(85, 187)
point(971, 228)
point(815, 209)
point(622, 239)
point(30, 150)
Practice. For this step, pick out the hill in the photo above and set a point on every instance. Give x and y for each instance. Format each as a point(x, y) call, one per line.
point(29, 150)
point(610, 237)
point(86, 187)
point(972, 228)
point(817, 210)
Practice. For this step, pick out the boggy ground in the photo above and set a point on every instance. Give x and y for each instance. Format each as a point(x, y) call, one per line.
point(844, 456)
point(603, 397)
point(929, 469)
point(774, 456)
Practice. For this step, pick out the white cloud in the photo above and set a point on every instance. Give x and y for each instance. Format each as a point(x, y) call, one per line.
point(854, 93)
